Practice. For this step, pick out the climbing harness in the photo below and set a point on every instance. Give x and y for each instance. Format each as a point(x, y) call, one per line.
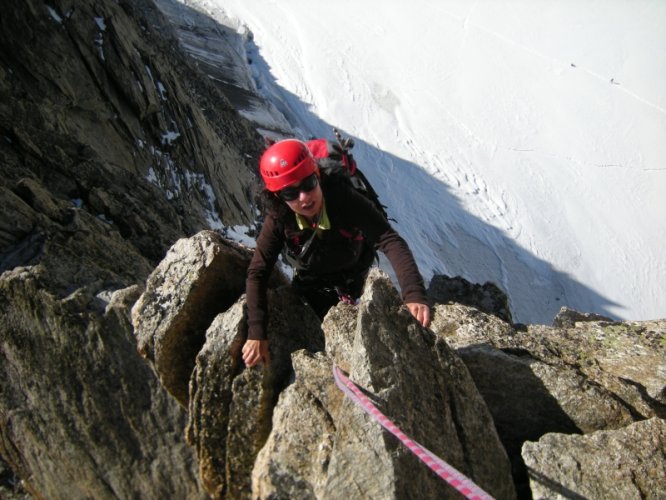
point(448, 473)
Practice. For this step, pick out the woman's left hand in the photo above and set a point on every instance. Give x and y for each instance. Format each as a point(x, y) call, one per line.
point(421, 312)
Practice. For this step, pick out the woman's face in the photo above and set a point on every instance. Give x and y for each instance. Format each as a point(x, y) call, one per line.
point(308, 203)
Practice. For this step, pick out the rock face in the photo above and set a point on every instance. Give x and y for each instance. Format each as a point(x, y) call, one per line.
point(82, 416)
point(224, 54)
point(112, 146)
point(102, 109)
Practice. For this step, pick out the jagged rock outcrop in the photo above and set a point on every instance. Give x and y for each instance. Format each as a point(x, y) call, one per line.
point(199, 278)
point(414, 377)
point(536, 381)
point(412, 373)
point(81, 415)
point(178, 332)
point(591, 376)
point(230, 407)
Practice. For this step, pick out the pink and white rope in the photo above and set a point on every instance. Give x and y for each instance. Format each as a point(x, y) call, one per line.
point(448, 473)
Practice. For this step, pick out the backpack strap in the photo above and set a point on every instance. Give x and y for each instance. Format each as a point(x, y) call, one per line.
point(344, 145)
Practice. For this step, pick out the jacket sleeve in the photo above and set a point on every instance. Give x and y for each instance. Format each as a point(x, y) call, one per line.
point(269, 246)
point(400, 256)
point(387, 240)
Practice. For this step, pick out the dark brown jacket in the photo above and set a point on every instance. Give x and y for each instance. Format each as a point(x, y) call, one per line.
point(356, 225)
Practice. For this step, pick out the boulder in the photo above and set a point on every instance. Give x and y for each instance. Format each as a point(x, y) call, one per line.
point(198, 278)
point(627, 463)
point(488, 297)
point(567, 318)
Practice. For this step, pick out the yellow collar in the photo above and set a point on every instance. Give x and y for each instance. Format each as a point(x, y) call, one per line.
point(322, 224)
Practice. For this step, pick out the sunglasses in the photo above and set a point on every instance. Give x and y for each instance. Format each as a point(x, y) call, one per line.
point(290, 193)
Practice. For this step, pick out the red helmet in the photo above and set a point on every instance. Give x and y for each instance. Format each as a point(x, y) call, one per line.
point(286, 162)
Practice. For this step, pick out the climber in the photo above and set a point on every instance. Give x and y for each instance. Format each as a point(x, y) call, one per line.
point(329, 233)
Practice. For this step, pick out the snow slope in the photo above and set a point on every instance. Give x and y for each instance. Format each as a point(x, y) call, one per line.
point(517, 142)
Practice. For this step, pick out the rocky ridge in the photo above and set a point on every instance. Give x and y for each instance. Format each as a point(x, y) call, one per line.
point(488, 397)
point(286, 431)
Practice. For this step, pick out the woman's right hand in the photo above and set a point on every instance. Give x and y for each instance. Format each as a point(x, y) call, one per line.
point(255, 351)
point(421, 312)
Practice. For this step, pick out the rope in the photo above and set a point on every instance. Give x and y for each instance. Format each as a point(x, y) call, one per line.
point(446, 472)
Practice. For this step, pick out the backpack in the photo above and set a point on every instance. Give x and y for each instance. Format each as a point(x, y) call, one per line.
point(334, 158)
